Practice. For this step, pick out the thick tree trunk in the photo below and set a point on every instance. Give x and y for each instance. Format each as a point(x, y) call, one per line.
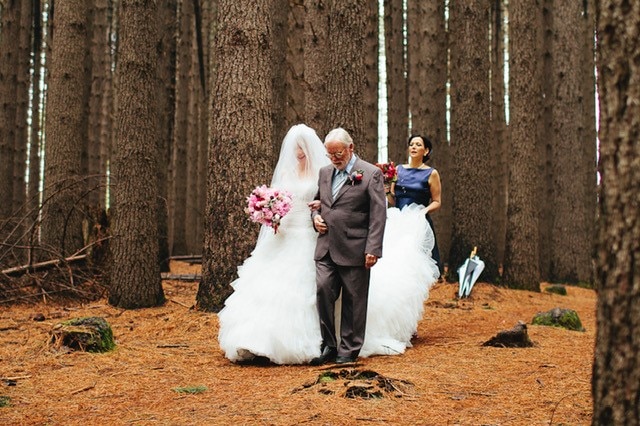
point(135, 274)
point(345, 88)
point(571, 240)
point(616, 371)
point(238, 159)
point(316, 70)
point(470, 129)
point(8, 82)
point(396, 66)
point(294, 72)
point(521, 268)
point(368, 146)
point(66, 130)
point(167, 21)
point(178, 212)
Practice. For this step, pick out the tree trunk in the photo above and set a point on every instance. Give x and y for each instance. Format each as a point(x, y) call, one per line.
point(238, 159)
point(8, 82)
point(100, 70)
point(470, 129)
point(616, 371)
point(347, 23)
point(178, 212)
point(368, 146)
point(316, 69)
point(396, 66)
point(135, 274)
point(571, 240)
point(521, 267)
point(167, 21)
point(499, 146)
point(428, 43)
point(294, 72)
point(66, 128)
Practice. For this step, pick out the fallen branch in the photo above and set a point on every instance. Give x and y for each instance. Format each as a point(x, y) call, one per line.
point(19, 270)
point(181, 277)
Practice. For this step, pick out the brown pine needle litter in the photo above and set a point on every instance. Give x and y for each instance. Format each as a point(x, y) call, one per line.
point(167, 369)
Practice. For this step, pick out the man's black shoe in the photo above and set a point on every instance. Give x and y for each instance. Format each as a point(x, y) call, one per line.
point(345, 360)
point(328, 355)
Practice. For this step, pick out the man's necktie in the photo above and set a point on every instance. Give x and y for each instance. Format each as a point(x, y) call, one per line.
point(338, 180)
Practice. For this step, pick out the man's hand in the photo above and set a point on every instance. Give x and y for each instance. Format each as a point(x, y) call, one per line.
point(370, 260)
point(319, 224)
point(314, 205)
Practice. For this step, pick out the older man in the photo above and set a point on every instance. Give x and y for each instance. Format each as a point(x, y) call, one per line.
point(350, 222)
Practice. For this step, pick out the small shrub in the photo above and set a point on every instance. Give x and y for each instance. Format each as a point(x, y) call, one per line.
point(557, 317)
point(190, 389)
point(557, 289)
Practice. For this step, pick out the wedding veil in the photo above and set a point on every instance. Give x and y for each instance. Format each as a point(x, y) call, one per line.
point(306, 138)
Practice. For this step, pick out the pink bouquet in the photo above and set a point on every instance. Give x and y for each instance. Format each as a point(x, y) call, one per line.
point(388, 171)
point(268, 206)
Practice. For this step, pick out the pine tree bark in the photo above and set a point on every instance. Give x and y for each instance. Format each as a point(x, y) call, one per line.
point(616, 371)
point(498, 143)
point(368, 146)
point(294, 72)
point(316, 46)
point(396, 66)
point(428, 41)
point(8, 81)
point(66, 128)
point(347, 22)
point(135, 274)
point(167, 21)
point(521, 268)
point(571, 240)
point(100, 70)
point(178, 212)
point(470, 129)
point(243, 95)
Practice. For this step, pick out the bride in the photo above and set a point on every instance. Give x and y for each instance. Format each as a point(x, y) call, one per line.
point(272, 311)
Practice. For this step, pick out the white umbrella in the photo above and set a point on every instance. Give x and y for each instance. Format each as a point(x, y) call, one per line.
point(468, 273)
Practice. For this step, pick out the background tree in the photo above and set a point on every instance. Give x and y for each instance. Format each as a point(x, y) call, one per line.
point(316, 68)
point(572, 166)
point(521, 255)
point(66, 122)
point(135, 273)
point(8, 81)
point(470, 124)
point(345, 87)
point(368, 148)
point(180, 138)
point(427, 86)
point(616, 372)
point(238, 159)
point(396, 67)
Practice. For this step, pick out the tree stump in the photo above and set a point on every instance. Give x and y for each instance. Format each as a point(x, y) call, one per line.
point(559, 317)
point(517, 337)
point(87, 334)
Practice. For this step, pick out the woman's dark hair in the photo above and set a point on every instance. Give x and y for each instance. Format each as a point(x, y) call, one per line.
point(427, 144)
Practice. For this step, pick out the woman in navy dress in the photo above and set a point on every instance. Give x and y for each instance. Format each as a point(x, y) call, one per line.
point(418, 184)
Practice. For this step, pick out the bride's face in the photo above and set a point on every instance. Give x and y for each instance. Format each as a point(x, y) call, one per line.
point(300, 155)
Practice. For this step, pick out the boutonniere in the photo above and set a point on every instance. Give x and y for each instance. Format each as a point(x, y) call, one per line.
point(356, 177)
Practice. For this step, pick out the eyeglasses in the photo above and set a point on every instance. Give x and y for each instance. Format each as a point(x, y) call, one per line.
point(336, 155)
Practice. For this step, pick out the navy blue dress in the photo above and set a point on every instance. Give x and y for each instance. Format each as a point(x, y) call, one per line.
point(412, 186)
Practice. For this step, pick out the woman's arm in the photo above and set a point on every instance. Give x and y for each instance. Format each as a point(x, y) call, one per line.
point(436, 192)
point(391, 194)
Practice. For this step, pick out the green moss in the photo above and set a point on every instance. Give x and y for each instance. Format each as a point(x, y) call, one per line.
point(91, 334)
point(557, 317)
point(557, 289)
point(190, 389)
point(5, 401)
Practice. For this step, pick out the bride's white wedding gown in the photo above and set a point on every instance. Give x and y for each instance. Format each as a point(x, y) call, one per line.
point(272, 311)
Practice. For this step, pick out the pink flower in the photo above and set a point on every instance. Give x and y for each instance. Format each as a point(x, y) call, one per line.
point(268, 206)
point(388, 171)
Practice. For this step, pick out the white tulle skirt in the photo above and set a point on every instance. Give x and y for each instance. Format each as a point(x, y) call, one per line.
point(272, 312)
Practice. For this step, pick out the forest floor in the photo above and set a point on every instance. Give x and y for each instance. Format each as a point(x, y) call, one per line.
point(167, 369)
